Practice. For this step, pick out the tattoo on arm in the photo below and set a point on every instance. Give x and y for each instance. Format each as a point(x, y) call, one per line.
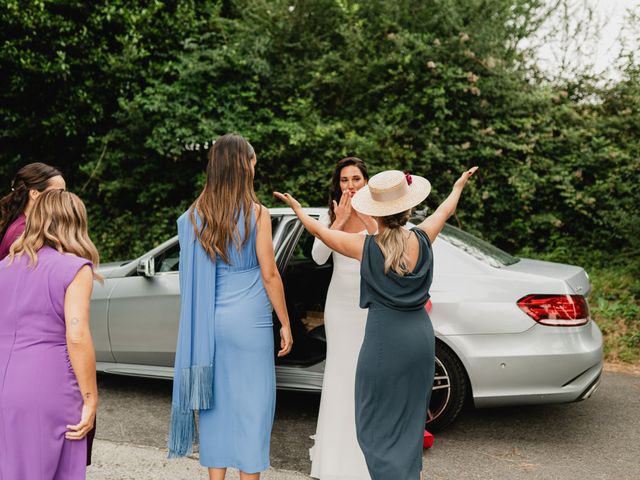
point(87, 395)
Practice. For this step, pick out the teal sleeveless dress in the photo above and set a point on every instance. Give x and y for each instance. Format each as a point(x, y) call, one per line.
point(396, 365)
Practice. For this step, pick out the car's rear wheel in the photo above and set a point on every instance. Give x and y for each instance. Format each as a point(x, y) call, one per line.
point(449, 390)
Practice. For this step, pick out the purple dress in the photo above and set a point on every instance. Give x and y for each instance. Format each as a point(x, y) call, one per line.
point(39, 394)
point(11, 235)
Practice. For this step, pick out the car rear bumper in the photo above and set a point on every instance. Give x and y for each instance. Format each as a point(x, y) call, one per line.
point(539, 366)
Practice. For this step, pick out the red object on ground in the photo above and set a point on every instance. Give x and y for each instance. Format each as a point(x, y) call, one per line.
point(428, 440)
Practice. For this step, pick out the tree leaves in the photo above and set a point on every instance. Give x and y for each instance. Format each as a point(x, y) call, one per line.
point(112, 91)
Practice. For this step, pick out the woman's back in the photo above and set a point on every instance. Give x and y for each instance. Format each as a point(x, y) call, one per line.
point(391, 290)
point(32, 297)
point(243, 258)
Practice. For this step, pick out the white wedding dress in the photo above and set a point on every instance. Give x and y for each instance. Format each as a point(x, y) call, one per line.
point(336, 454)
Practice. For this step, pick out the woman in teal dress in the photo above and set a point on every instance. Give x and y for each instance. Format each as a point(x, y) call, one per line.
point(395, 368)
point(224, 365)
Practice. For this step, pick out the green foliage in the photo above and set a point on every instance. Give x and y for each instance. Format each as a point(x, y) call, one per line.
point(614, 305)
point(111, 91)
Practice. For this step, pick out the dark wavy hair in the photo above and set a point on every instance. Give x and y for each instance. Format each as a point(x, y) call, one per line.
point(33, 176)
point(336, 191)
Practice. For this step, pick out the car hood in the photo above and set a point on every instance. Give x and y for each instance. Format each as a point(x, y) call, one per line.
point(574, 276)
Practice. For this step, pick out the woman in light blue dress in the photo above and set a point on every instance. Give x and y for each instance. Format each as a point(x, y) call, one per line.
point(224, 365)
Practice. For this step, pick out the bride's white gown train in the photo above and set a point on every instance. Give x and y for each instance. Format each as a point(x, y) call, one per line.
point(336, 454)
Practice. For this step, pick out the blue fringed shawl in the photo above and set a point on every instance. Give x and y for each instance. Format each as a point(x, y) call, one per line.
point(195, 349)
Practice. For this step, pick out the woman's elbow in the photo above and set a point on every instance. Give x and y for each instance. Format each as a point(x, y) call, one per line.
point(271, 277)
point(78, 339)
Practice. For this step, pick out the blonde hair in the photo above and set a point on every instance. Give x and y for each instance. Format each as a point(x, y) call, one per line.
point(58, 220)
point(227, 191)
point(393, 243)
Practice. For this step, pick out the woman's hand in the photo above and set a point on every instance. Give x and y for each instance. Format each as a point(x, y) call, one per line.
point(348, 244)
point(342, 210)
point(288, 199)
point(87, 422)
point(286, 341)
point(433, 224)
point(464, 178)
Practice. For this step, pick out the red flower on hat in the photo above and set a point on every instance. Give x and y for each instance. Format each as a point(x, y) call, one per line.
point(408, 177)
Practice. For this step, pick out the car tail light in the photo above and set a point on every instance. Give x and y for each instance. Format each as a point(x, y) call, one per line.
point(556, 310)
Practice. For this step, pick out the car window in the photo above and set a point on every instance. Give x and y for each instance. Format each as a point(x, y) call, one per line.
point(169, 260)
point(303, 247)
point(275, 221)
point(477, 248)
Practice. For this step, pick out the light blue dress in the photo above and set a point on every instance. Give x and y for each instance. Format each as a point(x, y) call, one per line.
point(236, 431)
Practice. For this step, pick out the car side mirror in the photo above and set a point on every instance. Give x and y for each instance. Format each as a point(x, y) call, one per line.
point(146, 267)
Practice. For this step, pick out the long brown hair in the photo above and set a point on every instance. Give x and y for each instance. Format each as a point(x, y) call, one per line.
point(58, 220)
point(393, 243)
point(227, 191)
point(336, 192)
point(34, 176)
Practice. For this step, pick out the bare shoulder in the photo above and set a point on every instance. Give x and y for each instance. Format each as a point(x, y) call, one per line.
point(260, 210)
point(263, 222)
point(85, 274)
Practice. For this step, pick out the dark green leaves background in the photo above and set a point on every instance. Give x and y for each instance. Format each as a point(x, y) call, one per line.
point(111, 91)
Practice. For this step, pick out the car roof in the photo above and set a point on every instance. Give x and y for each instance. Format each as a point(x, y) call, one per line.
point(289, 211)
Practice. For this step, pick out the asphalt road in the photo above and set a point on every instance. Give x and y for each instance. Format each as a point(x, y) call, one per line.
point(596, 439)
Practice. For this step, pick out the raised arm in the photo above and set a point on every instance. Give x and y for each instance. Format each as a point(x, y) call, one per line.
point(434, 223)
point(271, 277)
point(348, 244)
point(81, 352)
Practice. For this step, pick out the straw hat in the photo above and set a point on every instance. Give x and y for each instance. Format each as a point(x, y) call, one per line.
point(390, 192)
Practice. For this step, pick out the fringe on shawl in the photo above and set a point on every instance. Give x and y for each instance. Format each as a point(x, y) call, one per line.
point(196, 393)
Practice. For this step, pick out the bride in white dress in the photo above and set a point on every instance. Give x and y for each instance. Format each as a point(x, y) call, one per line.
point(336, 454)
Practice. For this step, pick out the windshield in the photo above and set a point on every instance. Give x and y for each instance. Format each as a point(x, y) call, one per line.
point(477, 248)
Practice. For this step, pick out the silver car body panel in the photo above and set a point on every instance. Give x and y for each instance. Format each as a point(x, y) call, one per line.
point(300, 378)
point(509, 358)
point(288, 377)
point(542, 365)
point(575, 277)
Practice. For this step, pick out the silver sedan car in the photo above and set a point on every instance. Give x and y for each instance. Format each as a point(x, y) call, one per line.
point(509, 331)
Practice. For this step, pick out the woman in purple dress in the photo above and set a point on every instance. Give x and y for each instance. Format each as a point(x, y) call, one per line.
point(48, 391)
point(30, 181)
